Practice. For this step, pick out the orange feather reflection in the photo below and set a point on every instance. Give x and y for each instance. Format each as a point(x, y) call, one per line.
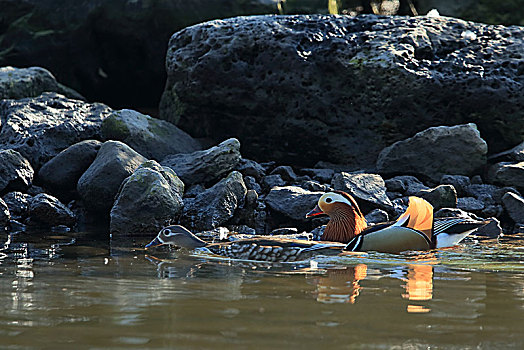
point(340, 285)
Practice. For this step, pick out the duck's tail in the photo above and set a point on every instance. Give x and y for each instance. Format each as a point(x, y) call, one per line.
point(418, 216)
point(450, 231)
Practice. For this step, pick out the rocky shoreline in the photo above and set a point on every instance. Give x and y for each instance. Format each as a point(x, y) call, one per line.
point(69, 164)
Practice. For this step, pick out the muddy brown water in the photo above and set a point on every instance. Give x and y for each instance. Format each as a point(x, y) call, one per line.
point(73, 292)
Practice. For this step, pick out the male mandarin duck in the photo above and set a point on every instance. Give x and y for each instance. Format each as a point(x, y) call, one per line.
point(258, 248)
point(416, 229)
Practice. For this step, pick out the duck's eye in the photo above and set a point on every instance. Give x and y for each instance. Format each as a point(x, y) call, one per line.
point(167, 231)
point(329, 200)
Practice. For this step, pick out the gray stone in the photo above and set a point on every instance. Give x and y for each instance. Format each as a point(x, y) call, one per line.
point(152, 138)
point(482, 192)
point(17, 83)
point(147, 200)
point(507, 174)
point(443, 196)
point(514, 206)
point(436, 151)
point(18, 204)
point(216, 205)
point(207, 166)
point(377, 216)
point(491, 230)
point(284, 231)
point(271, 181)
point(501, 191)
point(460, 182)
point(99, 184)
point(515, 154)
point(194, 190)
point(5, 216)
point(322, 175)
point(46, 210)
point(248, 167)
point(41, 127)
point(286, 172)
point(16, 174)
point(353, 85)
point(368, 189)
point(252, 184)
point(61, 173)
point(406, 184)
point(476, 180)
point(470, 204)
point(291, 201)
point(453, 212)
point(314, 186)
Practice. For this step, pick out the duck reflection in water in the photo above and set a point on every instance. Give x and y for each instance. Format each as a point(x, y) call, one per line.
point(340, 285)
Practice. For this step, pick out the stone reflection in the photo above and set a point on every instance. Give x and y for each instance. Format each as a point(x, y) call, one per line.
point(340, 285)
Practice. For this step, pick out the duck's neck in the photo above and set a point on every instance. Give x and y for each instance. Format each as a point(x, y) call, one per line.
point(344, 224)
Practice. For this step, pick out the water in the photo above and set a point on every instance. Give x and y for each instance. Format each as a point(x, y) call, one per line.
point(76, 292)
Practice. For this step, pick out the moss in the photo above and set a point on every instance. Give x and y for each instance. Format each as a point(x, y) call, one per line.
point(157, 127)
point(114, 128)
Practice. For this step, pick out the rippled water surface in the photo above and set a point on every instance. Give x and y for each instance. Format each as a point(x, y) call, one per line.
point(59, 292)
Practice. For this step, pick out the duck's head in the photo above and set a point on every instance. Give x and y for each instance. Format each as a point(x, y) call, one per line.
point(346, 219)
point(178, 236)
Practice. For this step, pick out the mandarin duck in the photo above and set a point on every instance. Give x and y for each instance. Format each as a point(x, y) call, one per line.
point(261, 248)
point(415, 229)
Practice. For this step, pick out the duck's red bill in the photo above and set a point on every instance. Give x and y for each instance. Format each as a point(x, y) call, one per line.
point(315, 212)
point(154, 243)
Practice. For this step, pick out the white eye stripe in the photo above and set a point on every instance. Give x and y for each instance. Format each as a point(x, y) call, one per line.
point(335, 197)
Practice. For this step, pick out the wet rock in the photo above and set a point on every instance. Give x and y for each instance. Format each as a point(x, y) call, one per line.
point(491, 230)
point(507, 174)
point(99, 184)
point(514, 206)
point(61, 173)
point(459, 182)
point(321, 175)
point(248, 167)
point(46, 210)
point(252, 184)
point(470, 204)
point(216, 205)
point(147, 200)
point(41, 127)
point(368, 189)
point(246, 213)
point(18, 204)
point(420, 63)
point(272, 181)
point(406, 184)
point(17, 83)
point(377, 216)
point(5, 217)
point(16, 174)
point(435, 152)
point(152, 138)
point(242, 230)
point(206, 166)
point(443, 196)
point(291, 201)
point(286, 173)
point(317, 232)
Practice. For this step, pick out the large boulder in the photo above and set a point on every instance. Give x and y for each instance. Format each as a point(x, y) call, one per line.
point(514, 205)
point(18, 204)
point(147, 200)
point(46, 210)
point(17, 83)
point(435, 152)
point(207, 166)
point(216, 205)
point(16, 174)
point(293, 202)
point(99, 184)
point(153, 138)
point(342, 87)
point(39, 128)
point(507, 174)
point(61, 173)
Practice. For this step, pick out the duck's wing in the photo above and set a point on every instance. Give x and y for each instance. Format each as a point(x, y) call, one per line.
point(450, 231)
point(418, 216)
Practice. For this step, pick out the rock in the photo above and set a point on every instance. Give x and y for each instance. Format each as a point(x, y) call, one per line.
point(436, 151)
point(459, 182)
point(286, 173)
point(507, 174)
point(248, 167)
point(443, 196)
point(17, 83)
point(514, 206)
point(18, 204)
point(48, 211)
point(377, 216)
point(34, 190)
point(194, 191)
point(515, 154)
point(5, 217)
point(491, 230)
point(147, 200)
point(352, 84)
point(41, 127)
point(242, 229)
point(216, 205)
point(476, 180)
point(61, 173)
point(321, 175)
point(291, 201)
point(406, 184)
point(482, 192)
point(318, 232)
point(500, 192)
point(16, 174)
point(453, 212)
point(368, 189)
point(99, 184)
point(314, 186)
point(252, 184)
point(284, 231)
point(492, 210)
point(272, 181)
point(470, 204)
point(153, 138)
point(206, 166)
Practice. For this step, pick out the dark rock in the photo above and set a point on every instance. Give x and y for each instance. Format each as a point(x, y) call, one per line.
point(500, 192)
point(17, 83)
point(17, 226)
point(284, 231)
point(34, 190)
point(206, 166)
point(48, 211)
point(251, 199)
point(314, 186)
point(507, 174)
point(61, 173)
point(248, 167)
point(318, 232)
point(16, 174)
point(147, 200)
point(18, 204)
point(377, 216)
point(216, 205)
point(459, 182)
point(194, 191)
point(252, 184)
point(394, 195)
point(406, 184)
point(476, 180)
point(436, 151)
point(286, 172)
point(492, 210)
point(390, 68)
point(482, 192)
point(99, 185)
point(41, 127)
point(321, 175)
point(491, 230)
point(368, 189)
point(453, 212)
point(514, 206)
point(443, 196)
point(242, 229)
point(152, 138)
point(470, 204)
point(272, 181)
point(515, 154)
point(5, 217)
point(291, 201)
